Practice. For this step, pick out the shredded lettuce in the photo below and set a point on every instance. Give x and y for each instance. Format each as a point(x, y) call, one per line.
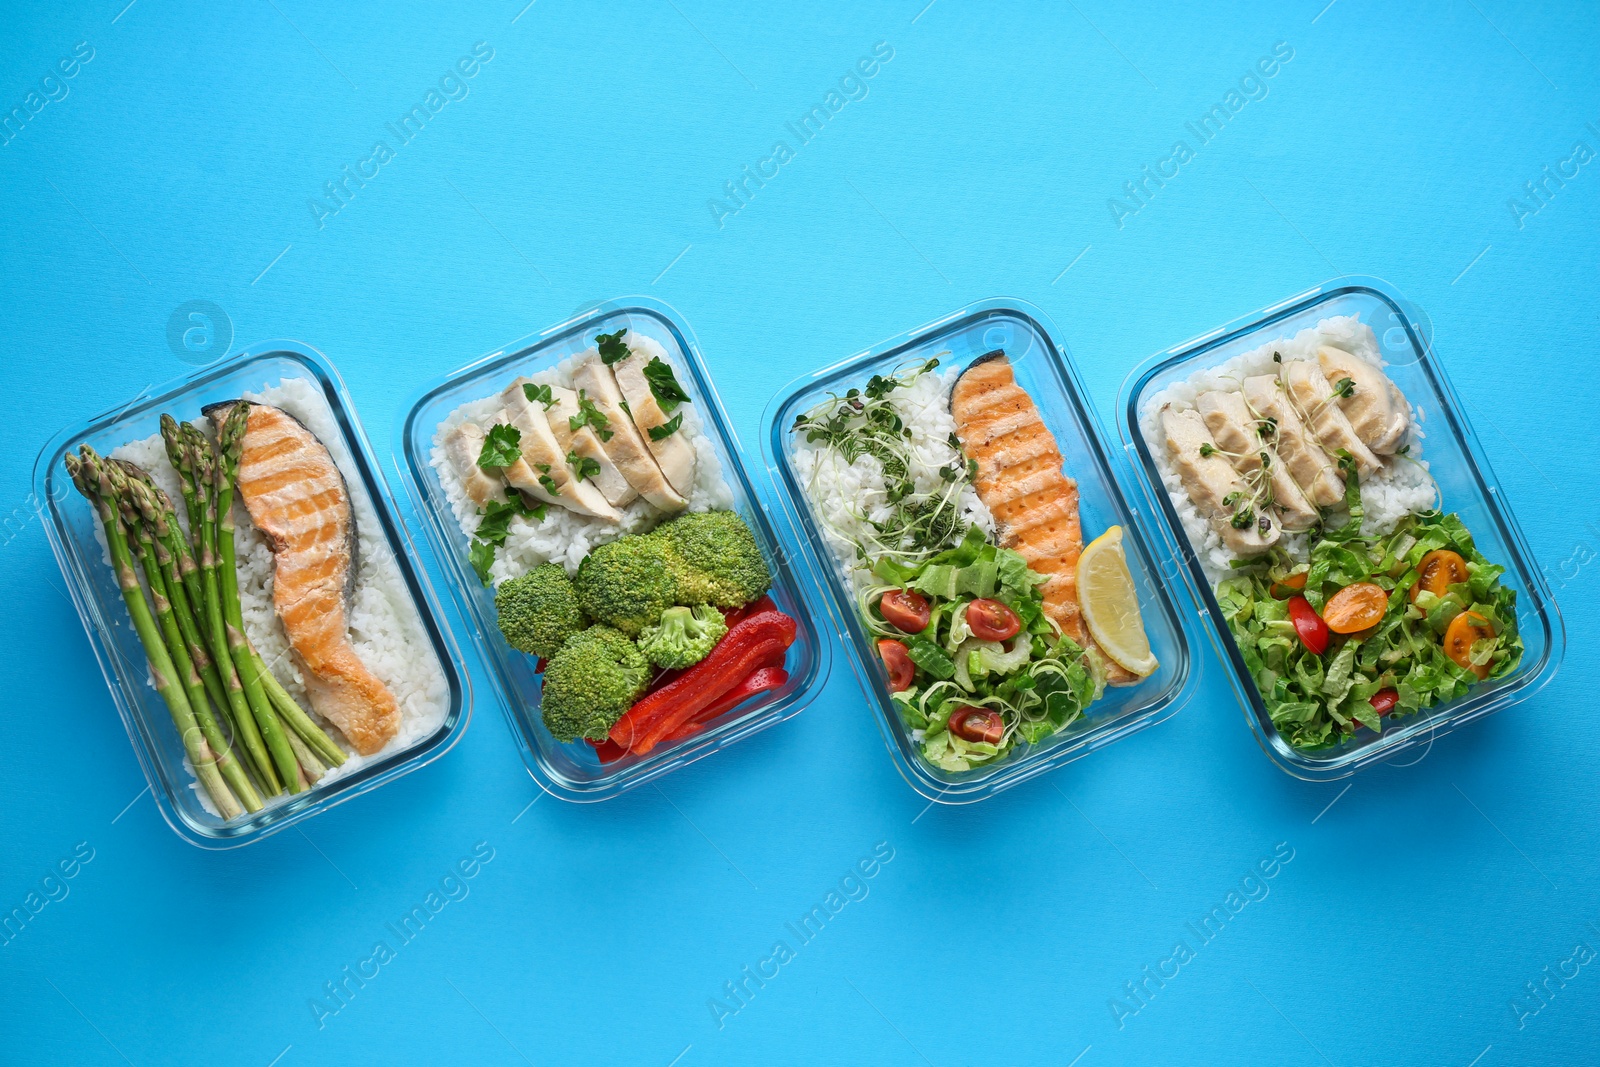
point(1040, 685)
point(1315, 700)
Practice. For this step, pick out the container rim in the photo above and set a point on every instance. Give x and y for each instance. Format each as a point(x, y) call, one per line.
point(440, 526)
point(1343, 762)
point(817, 556)
point(75, 569)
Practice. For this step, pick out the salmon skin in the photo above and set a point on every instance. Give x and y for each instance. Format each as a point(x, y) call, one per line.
point(297, 497)
point(1020, 479)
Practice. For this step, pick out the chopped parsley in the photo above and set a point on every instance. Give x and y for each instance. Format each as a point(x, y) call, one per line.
point(493, 528)
point(501, 448)
point(666, 429)
point(582, 466)
point(664, 384)
point(539, 393)
point(481, 556)
point(548, 482)
point(591, 416)
point(612, 347)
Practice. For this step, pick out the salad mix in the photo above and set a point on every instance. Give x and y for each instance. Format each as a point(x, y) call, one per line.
point(974, 664)
point(1370, 627)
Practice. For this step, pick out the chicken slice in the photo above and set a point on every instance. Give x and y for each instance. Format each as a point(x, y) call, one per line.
point(1316, 475)
point(673, 453)
point(1312, 397)
point(543, 458)
point(464, 445)
point(1211, 479)
point(1238, 433)
point(1376, 408)
point(626, 448)
point(585, 441)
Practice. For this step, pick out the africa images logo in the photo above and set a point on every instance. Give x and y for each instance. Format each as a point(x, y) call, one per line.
point(1252, 85)
point(851, 87)
point(1254, 887)
point(852, 887)
point(452, 86)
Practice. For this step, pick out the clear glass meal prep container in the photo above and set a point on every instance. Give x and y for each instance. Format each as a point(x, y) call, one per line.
point(1045, 370)
point(71, 526)
point(573, 771)
point(1454, 458)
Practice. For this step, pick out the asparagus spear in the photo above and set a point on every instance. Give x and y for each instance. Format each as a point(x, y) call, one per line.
point(185, 590)
point(198, 468)
point(229, 694)
point(89, 475)
point(230, 444)
point(171, 611)
point(309, 763)
point(147, 497)
point(178, 455)
point(299, 722)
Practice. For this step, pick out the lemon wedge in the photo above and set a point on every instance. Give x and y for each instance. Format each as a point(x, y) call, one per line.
point(1111, 605)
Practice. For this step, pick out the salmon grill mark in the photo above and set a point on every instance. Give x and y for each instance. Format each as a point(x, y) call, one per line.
point(297, 497)
point(1020, 479)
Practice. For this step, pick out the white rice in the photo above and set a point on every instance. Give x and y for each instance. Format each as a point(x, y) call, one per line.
point(1401, 488)
point(847, 498)
point(562, 536)
point(386, 629)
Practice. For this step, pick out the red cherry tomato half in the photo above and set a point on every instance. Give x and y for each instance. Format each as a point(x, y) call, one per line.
point(1384, 700)
point(1308, 624)
point(897, 661)
point(991, 620)
point(904, 610)
point(977, 724)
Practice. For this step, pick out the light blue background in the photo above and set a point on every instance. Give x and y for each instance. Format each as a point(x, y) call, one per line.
point(579, 169)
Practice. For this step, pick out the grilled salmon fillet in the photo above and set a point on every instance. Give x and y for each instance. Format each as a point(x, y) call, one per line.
point(297, 497)
point(1035, 505)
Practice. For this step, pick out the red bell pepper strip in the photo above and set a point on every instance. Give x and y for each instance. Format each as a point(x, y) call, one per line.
point(749, 644)
point(678, 706)
point(1314, 633)
point(733, 616)
point(759, 681)
point(608, 750)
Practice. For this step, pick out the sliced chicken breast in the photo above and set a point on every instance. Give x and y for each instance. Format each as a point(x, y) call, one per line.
point(1316, 475)
point(464, 445)
point(1211, 479)
point(543, 457)
point(1238, 433)
point(1312, 397)
point(1376, 408)
point(673, 453)
point(627, 447)
point(585, 441)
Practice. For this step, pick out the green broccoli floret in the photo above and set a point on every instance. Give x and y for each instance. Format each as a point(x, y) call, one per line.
point(627, 583)
point(590, 682)
point(717, 559)
point(539, 610)
point(683, 637)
